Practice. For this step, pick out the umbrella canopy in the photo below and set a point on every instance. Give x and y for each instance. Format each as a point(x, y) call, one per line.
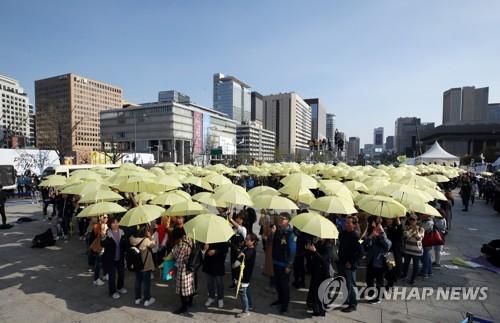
point(208, 199)
point(171, 198)
point(274, 203)
point(433, 193)
point(408, 197)
point(333, 204)
point(169, 182)
point(232, 194)
point(208, 228)
point(316, 225)
point(382, 206)
point(101, 208)
point(85, 174)
point(140, 184)
point(264, 190)
point(300, 180)
point(423, 208)
point(186, 208)
point(84, 188)
point(357, 186)
point(53, 180)
point(438, 178)
point(200, 182)
point(145, 196)
point(304, 196)
point(100, 196)
point(217, 179)
point(141, 214)
point(334, 188)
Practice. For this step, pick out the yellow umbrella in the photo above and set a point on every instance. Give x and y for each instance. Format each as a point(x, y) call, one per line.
point(335, 188)
point(171, 198)
point(232, 194)
point(274, 203)
point(316, 225)
point(53, 180)
point(300, 180)
point(487, 174)
point(423, 208)
point(145, 196)
point(264, 190)
point(407, 197)
point(84, 188)
point(101, 208)
point(100, 196)
point(169, 182)
point(85, 174)
point(333, 204)
point(433, 192)
point(208, 199)
point(185, 208)
point(357, 186)
point(438, 178)
point(217, 179)
point(208, 228)
point(197, 181)
point(140, 184)
point(141, 214)
point(304, 196)
point(382, 206)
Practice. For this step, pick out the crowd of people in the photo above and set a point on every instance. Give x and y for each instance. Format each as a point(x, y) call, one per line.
point(385, 247)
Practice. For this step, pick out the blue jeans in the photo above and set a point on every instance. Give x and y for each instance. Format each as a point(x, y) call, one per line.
point(246, 299)
point(215, 283)
point(143, 281)
point(427, 261)
point(350, 278)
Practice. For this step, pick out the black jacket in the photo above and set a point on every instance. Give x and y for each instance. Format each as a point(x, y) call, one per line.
point(349, 248)
point(214, 265)
point(108, 243)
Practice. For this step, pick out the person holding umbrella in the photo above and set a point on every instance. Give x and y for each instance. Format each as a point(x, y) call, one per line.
point(115, 245)
point(321, 255)
point(246, 259)
point(142, 241)
point(284, 248)
point(184, 280)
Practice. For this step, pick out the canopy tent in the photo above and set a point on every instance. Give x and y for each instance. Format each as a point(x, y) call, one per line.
point(436, 154)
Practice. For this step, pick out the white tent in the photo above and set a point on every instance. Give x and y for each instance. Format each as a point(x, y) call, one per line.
point(436, 154)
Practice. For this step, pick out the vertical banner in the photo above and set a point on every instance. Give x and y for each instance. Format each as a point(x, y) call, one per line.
point(197, 133)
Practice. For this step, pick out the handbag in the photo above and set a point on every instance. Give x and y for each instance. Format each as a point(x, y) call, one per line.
point(434, 238)
point(169, 269)
point(389, 260)
point(96, 246)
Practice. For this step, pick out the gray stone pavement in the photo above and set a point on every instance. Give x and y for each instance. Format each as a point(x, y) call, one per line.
point(54, 285)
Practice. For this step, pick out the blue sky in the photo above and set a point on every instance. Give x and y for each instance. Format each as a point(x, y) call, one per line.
point(369, 61)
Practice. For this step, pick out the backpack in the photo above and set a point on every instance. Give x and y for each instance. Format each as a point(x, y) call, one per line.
point(43, 240)
point(195, 259)
point(134, 259)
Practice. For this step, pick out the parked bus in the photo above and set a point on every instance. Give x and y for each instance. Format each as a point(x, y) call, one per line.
point(66, 170)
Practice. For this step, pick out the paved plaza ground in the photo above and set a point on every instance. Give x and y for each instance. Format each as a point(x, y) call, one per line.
point(54, 285)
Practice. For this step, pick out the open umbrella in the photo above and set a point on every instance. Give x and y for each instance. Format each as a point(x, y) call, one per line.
point(200, 182)
point(53, 180)
point(171, 198)
point(300, 180)
point(137, 184)
point(382, 206)
point(141, 214)
point(264, 190)
point(423, 208)
point(333, 204)
point(84, 188)
point(185, 208)
point(144, 197)
point(357, 186)
point(334, 188)
point(304, 196)
point(208, 228)
point(232, 194)
point(438, 178)
point(100, 196)
point(169, 182)
point(274, 203)
point(316, 225)
point(101, 208)
point(217, 179)
point(208, 199)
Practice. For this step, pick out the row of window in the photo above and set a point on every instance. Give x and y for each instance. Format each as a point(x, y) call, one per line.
point(14, 97)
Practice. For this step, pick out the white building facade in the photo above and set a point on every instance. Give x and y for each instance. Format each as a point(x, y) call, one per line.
point(15, 114)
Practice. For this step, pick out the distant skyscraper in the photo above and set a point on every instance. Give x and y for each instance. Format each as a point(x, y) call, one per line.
point(67, 113)
point(318, 126)
point(465, 105)
point(353, 148)
point(378, 140)
point(257, 107)
point(330, 127)
point(232, 97)
point(494, 112)
point(289, 116)
point(15, 114)
point(407, 130)
point(389, 143)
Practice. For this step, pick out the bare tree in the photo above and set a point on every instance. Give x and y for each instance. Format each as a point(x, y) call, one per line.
point(10, 131)
point(115, 153)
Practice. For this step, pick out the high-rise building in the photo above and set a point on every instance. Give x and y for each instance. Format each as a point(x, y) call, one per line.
point(173, 96)
point(255, 142)
point(289, 116)
point(318, 119)
point(257, 107)
point(378, 140)
point(353, 148)
point(232, 97)
point(330, 127)
point(15, 114)
point(494, 112)
point(67, 113)
point(408, 133)
point(465, 105)
point(32, 124)
point(389, 143)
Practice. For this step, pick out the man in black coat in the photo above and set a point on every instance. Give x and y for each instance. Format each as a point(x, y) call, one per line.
point(3, 199)
point(214, 255)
